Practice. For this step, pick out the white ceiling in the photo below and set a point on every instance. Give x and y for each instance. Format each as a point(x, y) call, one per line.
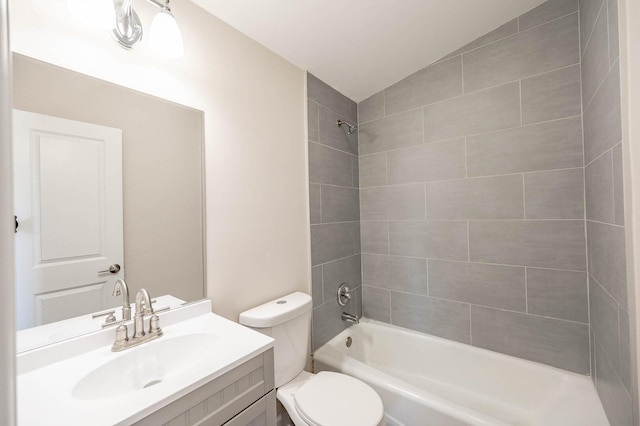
point(360, 47)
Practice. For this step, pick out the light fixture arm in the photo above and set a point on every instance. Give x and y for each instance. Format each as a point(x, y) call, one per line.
point(128, 28)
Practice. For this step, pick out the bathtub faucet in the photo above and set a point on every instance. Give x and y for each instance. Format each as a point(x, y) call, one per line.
point(349, 318)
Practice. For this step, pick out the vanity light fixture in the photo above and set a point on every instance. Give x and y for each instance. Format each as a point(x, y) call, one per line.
point(164, 35)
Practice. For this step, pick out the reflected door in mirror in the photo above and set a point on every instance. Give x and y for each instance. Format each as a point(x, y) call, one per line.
point(68, 201)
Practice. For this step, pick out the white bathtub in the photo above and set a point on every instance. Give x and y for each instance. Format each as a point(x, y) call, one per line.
point(426, 380)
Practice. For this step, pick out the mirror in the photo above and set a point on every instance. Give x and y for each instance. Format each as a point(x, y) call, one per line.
point(162, 192)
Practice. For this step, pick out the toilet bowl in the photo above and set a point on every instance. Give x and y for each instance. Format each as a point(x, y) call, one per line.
point(323, 399)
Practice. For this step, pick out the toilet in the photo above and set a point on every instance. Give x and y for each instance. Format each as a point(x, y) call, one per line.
point(322, 399)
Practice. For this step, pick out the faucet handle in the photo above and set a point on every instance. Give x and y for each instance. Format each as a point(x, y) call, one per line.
point(122, 334)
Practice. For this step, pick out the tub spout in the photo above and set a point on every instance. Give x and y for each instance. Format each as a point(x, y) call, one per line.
point(349, 318)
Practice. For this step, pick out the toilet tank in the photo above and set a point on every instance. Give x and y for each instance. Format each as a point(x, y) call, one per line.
point(287, 320)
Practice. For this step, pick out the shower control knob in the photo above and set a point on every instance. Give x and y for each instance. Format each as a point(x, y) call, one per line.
point(343, 294)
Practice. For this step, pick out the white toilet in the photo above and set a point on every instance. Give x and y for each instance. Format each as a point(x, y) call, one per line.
point(323, 399)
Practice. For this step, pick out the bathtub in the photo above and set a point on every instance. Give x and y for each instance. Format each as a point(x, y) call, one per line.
point(426, 380)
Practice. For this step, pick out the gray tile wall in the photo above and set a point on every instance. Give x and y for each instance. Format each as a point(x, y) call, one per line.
point(604, 207)
point(334, 203)
point(472, 194)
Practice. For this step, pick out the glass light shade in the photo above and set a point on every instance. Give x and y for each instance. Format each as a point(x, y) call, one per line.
point(165, 37)
point(99, 14)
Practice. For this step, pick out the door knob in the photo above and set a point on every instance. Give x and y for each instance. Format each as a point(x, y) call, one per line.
point(114, 269)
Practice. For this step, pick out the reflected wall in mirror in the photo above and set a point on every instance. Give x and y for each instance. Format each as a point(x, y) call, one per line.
point(162, 184)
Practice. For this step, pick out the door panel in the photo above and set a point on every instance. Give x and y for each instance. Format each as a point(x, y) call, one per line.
point(68, 200)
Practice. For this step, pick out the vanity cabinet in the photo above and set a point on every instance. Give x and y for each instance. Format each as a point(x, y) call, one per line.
point(244, 396)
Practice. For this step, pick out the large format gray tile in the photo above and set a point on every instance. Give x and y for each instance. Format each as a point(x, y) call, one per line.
point(598, 178)
point(501, 32)
point(376, 303)
point(373, 170)
point(371, 108)
point(334, 241)
point(558, 294)
point(540, 49)
point(445, 240)
point(625, 349)
point(545, 146)
point(551, 95)
point(546, 243)
point(557, 194)
point(608, 257)
point(396, 131)
point(403, 202)
point(615, 400)
point(434, 83)
point(375, 237)
point(551, 9)
point(404, 274)
point(347, 270)
point(589, 10)
point(602, 120)
point(315, 209)
point(432, 161)
point(327, 96)
point(442, 318)
point(595, 62)
point(604, 321)
point(327, 321)
point(327, 165)
point(618, 185)
point(614, 42)
point(499, 197)
point(332, 135)
point(340, 204)
point(312, 118)
point(558, 343)
point(316, 286)
point(484, 111)
point(479, 284)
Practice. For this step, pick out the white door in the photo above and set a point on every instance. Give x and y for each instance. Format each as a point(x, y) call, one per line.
point(68, 203)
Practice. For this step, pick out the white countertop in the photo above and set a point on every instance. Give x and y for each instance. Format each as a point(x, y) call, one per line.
point(47, 376)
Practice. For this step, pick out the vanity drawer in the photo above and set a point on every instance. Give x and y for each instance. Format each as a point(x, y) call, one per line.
point(260, 413)
point(222, 399)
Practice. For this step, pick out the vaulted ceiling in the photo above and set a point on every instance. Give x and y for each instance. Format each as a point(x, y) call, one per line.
point(362, 46)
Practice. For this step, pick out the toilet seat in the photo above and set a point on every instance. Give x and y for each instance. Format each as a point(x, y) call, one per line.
point(334, 399)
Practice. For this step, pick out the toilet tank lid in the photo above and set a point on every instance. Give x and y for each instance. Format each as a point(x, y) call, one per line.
point(277, 311)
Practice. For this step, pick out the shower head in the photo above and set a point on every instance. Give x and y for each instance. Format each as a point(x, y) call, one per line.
point(351, 128)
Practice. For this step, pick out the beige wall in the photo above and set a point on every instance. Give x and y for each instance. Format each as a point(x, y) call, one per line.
point(162, 161)
point(253, 101)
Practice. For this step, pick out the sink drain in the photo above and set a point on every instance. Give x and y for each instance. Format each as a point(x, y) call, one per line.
point(154, 382)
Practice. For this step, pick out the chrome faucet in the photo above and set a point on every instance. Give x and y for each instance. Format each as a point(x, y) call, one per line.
point(353, 319)
point(121, 287)
point(143, 307)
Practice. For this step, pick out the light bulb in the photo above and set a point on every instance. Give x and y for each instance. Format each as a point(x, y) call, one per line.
point(99, 14)
point(164, 35)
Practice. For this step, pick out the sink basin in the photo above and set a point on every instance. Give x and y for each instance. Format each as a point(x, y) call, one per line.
point(149, 365)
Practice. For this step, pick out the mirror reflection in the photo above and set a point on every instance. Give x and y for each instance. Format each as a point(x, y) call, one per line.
point(108, 186)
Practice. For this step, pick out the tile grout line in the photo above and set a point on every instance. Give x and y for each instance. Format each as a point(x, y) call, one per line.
point(515, 80)
point(395, 185)
point(590, 35)
point(600, 86)
point(475, 262)
point(479, 305)
point(524, 200)
point(490, 132)
point(520, 104)
point(526, 290)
